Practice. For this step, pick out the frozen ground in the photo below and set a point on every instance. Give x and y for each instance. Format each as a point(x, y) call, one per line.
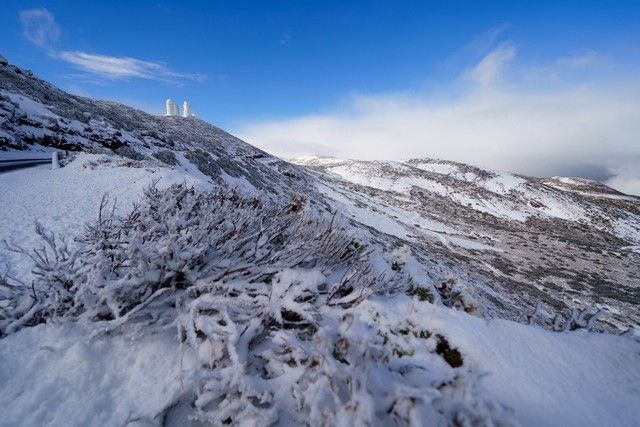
point(56, 375)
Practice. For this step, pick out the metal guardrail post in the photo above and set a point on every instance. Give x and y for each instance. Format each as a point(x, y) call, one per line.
point(55, 164)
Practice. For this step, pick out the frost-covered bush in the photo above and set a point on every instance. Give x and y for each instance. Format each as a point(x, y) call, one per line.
point(457, 295)
point(129, 152)
point(272, 297)
point(49, 295)
point(178, 239)
point(166, 156)
point(576, 318)
point(323, 366)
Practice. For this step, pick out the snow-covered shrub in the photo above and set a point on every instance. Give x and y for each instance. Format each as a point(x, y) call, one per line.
point(167, 157)
point(297, 202)
point(421, 292)
point(257, 368)
point(585, 318)
point(51, 292)
point(577, 319)
point(205, 163)
point(457, 295)
point(273, 298)
point(128, 152)
point(124, 267)
point(400, 257)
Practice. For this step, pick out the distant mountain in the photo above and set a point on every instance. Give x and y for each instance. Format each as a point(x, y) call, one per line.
point(560, 241)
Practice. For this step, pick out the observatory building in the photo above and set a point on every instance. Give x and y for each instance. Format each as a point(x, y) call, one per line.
point(174, 110)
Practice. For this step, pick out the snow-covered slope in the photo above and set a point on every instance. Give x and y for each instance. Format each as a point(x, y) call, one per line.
point(517, 240)
point(319, 291)
point(562, 242)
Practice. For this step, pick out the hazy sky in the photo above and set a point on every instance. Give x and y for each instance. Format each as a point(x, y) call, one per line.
point(548, 88)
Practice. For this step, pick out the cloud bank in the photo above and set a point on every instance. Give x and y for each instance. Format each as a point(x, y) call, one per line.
point(40, 28)
point(539, 120)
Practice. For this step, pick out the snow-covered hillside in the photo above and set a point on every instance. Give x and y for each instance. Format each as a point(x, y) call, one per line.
point(561, 241)
point(179, 276)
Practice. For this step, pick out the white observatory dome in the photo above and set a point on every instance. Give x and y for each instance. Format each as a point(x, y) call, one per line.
point(170, 108)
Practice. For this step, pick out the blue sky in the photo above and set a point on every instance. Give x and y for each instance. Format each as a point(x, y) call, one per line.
point(296, 77)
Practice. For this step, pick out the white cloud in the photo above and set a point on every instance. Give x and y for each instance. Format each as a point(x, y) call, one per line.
point(590, 130)
point(39, 27)
point(491, 68)
point(572, 66)
point(485, 41)
point(586, 59)
point(112, 67)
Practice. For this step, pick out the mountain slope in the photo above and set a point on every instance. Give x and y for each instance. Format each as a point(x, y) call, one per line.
point(36, 115)
point(522, 240)
point(516, 240)
point(328, 291)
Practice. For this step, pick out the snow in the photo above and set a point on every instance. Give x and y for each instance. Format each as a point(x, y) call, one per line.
point(56, 374)
point(398, 177)
point(65, 199)
point(439, 168)
point(317, 160)
point(556, 206)
point(608, 196)
point(633, 248)
point(29, 106)
point(503, 183)
point(471, 244)
point(359, 173)
point(546, 378)
point(59, 375)
point(399, 223)
point(378, 221)
point(190, 169)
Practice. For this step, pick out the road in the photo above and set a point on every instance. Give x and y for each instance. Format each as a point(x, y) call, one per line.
point(7, 165)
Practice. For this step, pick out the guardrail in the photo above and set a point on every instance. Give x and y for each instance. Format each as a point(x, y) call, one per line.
point(7, 165)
